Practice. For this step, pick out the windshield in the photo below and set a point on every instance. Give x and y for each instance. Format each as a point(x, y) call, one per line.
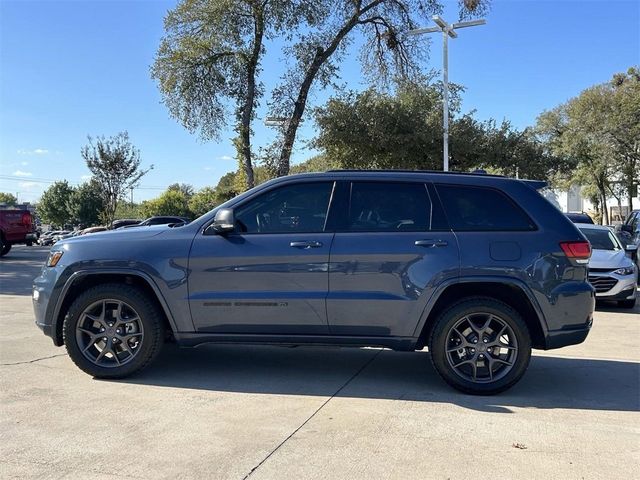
point(601, 239)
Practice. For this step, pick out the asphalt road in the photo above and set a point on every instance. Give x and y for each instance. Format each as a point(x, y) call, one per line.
point(255, 412)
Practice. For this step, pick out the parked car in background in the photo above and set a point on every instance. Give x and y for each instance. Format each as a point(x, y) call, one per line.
point(629, 233)
point(579, 217)
point(161, 220)
point(16, 227)
point(124, 222)
point(90, 230)
point(479, 268)
point(611, 271)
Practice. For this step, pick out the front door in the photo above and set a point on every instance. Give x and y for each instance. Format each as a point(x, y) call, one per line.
point(270, 275)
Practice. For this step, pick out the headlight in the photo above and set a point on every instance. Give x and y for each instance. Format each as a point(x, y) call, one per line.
point(54, 258)
point(624, 271)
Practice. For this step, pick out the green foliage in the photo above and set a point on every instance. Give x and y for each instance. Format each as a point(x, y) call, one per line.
point(85, 204)
point(128, 210)
point(115, 165)
point(317, 163)
point(52, 207)
point(170, 202)
point(8, 198)
point(202, 201)
point(597, 133)
point(374, 129)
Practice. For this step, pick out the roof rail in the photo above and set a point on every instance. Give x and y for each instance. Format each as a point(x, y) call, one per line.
point(390, 170)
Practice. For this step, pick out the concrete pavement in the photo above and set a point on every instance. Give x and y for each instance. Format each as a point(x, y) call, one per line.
point(271, 412)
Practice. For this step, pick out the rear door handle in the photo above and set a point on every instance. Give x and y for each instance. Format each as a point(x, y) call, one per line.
point(430, 243)
point(306, 244)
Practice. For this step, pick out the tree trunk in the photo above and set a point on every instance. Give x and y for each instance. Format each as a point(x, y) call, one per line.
point(605, 208)
point(319, 59)
point(249, 100)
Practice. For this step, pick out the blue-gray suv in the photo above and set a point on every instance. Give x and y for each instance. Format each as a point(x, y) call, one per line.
point(478, 268)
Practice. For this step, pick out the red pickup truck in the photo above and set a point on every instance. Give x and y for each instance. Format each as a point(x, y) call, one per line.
point(16, 226)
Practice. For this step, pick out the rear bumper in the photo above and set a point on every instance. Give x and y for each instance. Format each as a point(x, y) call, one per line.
point(564, 338)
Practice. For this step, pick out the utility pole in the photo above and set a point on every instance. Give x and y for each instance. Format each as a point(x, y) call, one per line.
point(448, 30)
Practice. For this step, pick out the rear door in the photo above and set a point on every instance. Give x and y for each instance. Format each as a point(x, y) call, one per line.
point(389, 253)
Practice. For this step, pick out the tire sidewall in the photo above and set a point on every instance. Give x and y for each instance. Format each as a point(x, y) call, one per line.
point(149, 317)
point(437, 345)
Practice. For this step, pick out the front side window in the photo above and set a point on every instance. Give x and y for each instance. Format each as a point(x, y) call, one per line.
point(389, 207)
point(482, 209)
point(293, 208)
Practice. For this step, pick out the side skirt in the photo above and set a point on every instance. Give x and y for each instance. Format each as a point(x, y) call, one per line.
point(405, 344)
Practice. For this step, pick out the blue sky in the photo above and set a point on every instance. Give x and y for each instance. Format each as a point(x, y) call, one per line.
point(69, 69)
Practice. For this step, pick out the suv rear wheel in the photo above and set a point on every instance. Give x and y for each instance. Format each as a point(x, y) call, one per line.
point(113, 330)
point(480, 346)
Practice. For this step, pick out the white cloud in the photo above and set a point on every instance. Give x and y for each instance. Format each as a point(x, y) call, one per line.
point(24, 164)
point(225, 157)
point(37, 151)
point(28, 185)
point(85, 177)
point(208, 168)
point(20, 173)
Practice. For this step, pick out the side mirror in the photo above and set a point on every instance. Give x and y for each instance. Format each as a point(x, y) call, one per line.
point(626, 228)
point(223, 222)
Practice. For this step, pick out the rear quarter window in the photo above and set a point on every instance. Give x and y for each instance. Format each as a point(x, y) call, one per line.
point(471, 208)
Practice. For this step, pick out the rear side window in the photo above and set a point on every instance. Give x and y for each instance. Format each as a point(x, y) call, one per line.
point(389, 207)
point(482, 209)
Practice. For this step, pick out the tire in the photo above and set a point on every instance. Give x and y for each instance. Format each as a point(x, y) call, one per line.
point(4, 248)
point(627, 303)
point(133, 341)
point(486, 365)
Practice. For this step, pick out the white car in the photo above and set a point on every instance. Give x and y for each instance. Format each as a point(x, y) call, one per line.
point(611, 272)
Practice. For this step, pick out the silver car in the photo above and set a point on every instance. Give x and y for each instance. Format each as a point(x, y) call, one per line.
point(611, 272)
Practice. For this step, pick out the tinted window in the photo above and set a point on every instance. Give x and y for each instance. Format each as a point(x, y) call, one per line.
point(389, 207)
point(292, 208)
point(481, 209)
point(601, 239)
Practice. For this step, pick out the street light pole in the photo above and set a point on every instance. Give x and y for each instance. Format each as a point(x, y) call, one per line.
point(448, 30)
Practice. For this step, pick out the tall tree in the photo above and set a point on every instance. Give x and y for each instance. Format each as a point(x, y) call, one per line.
point(209, 61)
point(599, 133)
point(8, 198)
point(52, 207)
point(623, 127)
point(115, 165)
point(86, 203)
point(388, 51)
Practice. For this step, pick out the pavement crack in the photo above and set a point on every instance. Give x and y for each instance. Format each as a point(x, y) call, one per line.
point(367, 363)
point(33, 361)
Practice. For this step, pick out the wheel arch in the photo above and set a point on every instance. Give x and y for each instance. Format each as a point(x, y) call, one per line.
point(81, 281)
point(509, 291)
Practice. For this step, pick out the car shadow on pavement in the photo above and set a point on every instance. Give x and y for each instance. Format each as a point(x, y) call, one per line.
point(550, 382)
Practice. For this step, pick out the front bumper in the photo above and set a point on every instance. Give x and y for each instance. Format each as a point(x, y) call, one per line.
point(610, 286)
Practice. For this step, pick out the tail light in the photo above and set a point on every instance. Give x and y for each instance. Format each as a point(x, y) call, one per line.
point(578, 251)
point(26, 219)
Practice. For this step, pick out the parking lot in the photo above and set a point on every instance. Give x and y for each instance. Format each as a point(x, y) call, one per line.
point(235, 412)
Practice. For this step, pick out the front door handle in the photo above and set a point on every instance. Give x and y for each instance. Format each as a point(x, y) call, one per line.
point(430, 243)
point(306, 244)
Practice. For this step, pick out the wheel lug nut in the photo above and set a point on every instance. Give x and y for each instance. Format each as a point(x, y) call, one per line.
point(485, 340)
point(481, 356)
point(104, 338)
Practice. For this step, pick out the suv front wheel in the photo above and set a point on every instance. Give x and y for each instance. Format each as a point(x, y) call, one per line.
point(113, 330)
point(480, 346)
